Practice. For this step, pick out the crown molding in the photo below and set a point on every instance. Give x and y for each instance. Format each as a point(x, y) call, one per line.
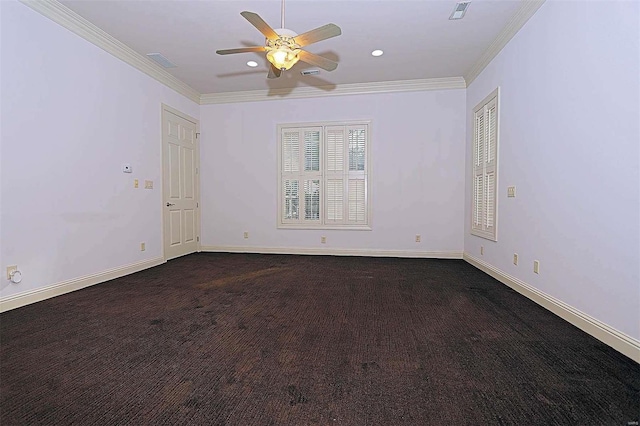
point(326, 91)
point(527, 9)
point(64, 16)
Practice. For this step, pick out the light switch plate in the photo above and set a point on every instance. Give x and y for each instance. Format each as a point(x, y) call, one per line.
point(10, 270)
point(148, 184)
point(511, 191)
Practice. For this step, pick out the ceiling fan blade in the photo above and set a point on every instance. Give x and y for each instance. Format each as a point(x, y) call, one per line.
point(320, 33)
point(240, 50)
point(274, 72)
point(319, 61)
point(259, 23)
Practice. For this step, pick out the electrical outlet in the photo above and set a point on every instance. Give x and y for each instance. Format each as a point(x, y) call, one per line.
point(515, 258)
point(418, 238)
point(135, 183)
point(143, 247)
point(10, 270)
point(148, 184)
point(246, 235)
point(536, 266)
point(323, 240)
point(481, 250)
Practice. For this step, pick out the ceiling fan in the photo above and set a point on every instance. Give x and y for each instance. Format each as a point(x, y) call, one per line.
point(284, 47)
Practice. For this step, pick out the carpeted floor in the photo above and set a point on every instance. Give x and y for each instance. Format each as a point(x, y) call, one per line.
point(233, 339)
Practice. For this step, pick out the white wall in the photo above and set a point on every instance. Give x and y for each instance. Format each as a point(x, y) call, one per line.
point(570, 138)
point(418, 171)
point(71, 115)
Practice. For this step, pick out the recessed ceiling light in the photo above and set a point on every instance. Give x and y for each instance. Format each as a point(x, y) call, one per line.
point(252, 64)
point(377, 52)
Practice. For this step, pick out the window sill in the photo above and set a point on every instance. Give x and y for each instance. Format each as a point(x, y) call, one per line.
point(326, 227)
point(486, 235)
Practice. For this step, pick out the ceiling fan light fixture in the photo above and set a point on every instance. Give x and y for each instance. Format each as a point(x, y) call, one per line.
point(283, 58)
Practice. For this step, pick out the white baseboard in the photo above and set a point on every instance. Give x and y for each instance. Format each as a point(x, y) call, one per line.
point(618, 340)
point(336, 252)
point(43, 293)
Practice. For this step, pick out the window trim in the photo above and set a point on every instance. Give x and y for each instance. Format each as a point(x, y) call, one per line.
point(482, 233)
point(280, 224)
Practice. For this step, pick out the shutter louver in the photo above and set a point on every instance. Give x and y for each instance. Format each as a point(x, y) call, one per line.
point(312, 200)
point(357, 140)
point(491, 137)
point(357, 200)
point(291, 199)
point(311, 151)
point(291, 152)
point(335, 199)
point(479, 139)
point(335, 150)
point(489, 206)
point(477, 202)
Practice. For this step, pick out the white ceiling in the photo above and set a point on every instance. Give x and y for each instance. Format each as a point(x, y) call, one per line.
point(418, 39)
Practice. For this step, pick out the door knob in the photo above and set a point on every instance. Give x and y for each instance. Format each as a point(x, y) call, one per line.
point(170, 204)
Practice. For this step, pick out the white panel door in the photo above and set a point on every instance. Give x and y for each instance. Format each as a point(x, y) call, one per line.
point(180, 185)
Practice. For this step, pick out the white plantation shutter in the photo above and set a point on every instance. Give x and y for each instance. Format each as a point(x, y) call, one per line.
point(357, 182)
point(489, 201)
point(312, 199)
point(477, 202)
point(324, 175)
point(357, 200)
point(490, 166)
point(479, 139)
point(291, 199)
point(335, 200)
point(485, 168)
point(312, 151)
point(356, 149)
point(491, 140)
point(291, 151)
point(335, 149)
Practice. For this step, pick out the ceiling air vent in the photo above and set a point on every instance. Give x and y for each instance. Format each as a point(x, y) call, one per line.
point(459, 10)
point(161, 60)
point(310, 72)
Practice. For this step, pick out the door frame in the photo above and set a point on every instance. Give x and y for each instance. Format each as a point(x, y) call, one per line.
point(164, 110)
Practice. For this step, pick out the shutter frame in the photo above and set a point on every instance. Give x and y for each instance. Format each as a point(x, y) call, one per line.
point(484, 194)
point(333, 180)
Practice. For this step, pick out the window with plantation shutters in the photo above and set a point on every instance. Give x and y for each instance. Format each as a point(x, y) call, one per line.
point(324, 171)
point(485, 168)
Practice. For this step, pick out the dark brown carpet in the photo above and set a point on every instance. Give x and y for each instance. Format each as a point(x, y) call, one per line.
point(233, 339)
